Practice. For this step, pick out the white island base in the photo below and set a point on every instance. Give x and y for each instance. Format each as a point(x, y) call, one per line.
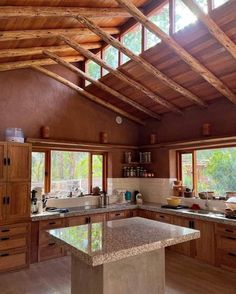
point(141, 274)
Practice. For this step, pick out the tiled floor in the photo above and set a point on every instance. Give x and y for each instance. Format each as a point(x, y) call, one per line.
point(183, 276)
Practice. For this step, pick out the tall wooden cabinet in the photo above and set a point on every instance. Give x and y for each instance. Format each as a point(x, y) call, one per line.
point(15, 177)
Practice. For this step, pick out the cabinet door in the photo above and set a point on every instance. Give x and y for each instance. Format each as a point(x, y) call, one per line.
point(77, 221)
point(205, 246)
point(2, 202)
point(183, 248)
point(3, 162)
point(18, 204)
point(19, 162)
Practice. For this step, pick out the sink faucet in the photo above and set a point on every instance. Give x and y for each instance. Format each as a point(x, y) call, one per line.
point(207, 202)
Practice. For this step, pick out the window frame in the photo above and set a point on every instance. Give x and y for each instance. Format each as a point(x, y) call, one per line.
point(47, 173)
point(193, 151)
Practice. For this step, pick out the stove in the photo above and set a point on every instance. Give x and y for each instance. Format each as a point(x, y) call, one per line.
point(174, 207)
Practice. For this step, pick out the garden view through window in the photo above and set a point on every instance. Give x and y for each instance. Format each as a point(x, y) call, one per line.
point(210, 170)
point(69, 171)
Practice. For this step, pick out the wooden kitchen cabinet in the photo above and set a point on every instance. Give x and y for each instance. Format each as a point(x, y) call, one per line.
point(186, 247)
point(14, 246)
point(205, 245)
point(114, 215)
point(226, 246)
point(19, 162)
point(47, 248)
point(3, 191)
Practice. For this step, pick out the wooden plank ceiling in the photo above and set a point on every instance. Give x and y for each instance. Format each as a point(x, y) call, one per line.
point(27, 28)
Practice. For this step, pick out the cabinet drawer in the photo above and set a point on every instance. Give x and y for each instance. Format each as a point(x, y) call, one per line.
point(52, 250)
point(98, 218)
point(227, 258)
point(44, 238)
point(13, 242)
point(226, 229)
point(13, 230)
point(226, 242)
point(165, 218)
point(51, 224)
point(11, 260)
point(77, 221)
point(117, 215)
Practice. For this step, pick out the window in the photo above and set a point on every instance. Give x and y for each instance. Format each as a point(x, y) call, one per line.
point(69, 170)
point(161, 19)
point(217, 3)
point(66, 171)
point(38, 170)
point(93, 70)
point(111, 56)
point(210, 170)
point(133, 41)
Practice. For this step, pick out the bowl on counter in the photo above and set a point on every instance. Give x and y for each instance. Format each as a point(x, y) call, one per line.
point(173, 201)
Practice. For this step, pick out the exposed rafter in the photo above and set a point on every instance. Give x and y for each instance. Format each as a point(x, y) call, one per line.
point(185, 56)
point(86, 94)
point(6, 53)
point(44, 61)
point(42, 11)
point(102, 86)
point(141, 61)
point(121, 75)
point(213, 28)
point(39, 34)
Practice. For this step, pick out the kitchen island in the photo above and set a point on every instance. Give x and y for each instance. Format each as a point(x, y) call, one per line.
point(120, 256)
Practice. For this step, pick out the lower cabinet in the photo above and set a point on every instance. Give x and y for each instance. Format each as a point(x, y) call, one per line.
point(226, 246)
point(47, 248)
point(14, 246)
point(119, 214)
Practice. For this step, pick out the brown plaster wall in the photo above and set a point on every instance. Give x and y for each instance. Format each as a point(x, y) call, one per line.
point(29, 100)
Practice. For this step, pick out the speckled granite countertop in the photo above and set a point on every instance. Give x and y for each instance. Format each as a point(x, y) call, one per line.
point(216, 217)
point(82, 210)
point(106, 242)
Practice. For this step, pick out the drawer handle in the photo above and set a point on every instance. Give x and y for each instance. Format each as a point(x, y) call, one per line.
point(4, 239)
point(4, 254)
point(5, 230)
point(52, 223)
point(229, 231)
point(51, 244)
point(232, 254)
point(117, 214)
point(231, 238)
point(162, 216)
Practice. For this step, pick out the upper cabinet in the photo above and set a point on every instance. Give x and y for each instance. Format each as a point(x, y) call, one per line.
point(15, 161)
point(19, 162)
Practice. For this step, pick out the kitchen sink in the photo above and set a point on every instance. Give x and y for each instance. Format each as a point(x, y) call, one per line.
point(200, 211)
point(207, 212)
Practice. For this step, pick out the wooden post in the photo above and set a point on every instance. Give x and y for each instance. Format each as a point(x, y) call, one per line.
point(179, 50)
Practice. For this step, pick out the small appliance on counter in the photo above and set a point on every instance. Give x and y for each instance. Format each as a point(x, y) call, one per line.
point(230, 211)
point(104, 199)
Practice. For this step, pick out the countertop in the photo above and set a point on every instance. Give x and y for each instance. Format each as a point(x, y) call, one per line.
point(110, 241)
point(212, 217)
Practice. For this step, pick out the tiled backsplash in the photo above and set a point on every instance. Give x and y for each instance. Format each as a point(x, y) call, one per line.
point(153, 189)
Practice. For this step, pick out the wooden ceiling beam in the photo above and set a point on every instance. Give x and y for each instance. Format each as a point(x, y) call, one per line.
point(39, 34)
point(213, 28)
point(86, 94)
point(121, 76)
point(101, 85)
point(8, 53)
point(37, 62)
point(141, 61)
point(42, 11)
point(195, 65)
